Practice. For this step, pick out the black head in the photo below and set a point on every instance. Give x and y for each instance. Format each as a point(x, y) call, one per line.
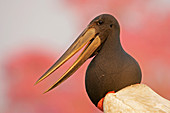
point(105, 24)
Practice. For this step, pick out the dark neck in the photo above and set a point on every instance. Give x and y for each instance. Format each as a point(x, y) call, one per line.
point(111, 56)
point(112, 45)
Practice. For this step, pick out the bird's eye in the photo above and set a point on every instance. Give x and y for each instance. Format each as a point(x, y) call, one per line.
point(100, 22)
point(111, 25)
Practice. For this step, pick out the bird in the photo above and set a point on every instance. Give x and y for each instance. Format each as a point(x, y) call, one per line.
point(111, 68)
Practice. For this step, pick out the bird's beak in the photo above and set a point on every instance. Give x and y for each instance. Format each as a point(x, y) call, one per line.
point(87, 38)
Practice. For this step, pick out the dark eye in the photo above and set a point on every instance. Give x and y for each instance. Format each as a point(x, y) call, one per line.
point(100, 22)
point(111, 25)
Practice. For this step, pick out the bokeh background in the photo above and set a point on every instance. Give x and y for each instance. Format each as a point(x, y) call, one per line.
point(34, 33)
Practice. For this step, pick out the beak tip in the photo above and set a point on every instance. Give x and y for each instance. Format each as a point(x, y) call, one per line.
point(39, 80)
point(45, 91)
point(36, 82)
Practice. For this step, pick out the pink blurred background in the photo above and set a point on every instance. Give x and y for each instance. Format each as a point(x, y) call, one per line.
point(35, 33)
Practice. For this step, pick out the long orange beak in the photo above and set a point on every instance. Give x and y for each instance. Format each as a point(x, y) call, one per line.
point(87, 38)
